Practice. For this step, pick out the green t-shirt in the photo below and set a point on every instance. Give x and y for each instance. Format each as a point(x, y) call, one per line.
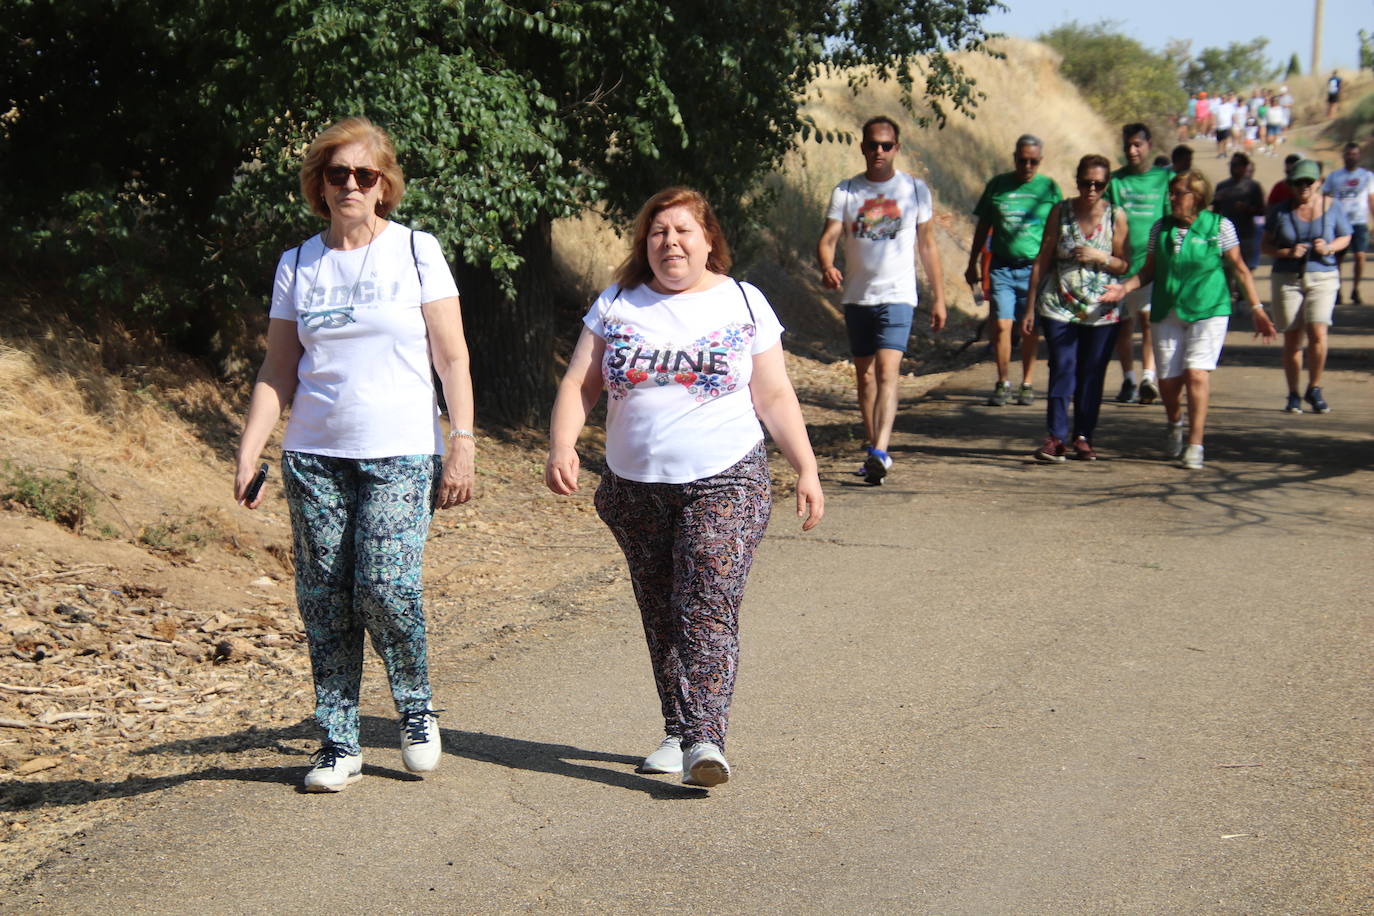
point(1017, 214)
point(1145, 198)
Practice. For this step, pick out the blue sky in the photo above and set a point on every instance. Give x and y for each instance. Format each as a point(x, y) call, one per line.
point(1209, 24)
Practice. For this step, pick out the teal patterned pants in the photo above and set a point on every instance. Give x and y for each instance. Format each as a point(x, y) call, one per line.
point(359, 528)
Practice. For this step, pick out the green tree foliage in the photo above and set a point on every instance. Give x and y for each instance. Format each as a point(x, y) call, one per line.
point(1294, 67)
point(160, 139)
point(1237, 67)
point(1366, 50)
point(1120, 77)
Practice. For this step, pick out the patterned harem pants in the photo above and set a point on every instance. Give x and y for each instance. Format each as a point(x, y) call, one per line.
point(359, 528)
point(689, 547)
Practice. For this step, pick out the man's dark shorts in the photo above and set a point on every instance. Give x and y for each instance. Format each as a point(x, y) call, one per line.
point(874, 327)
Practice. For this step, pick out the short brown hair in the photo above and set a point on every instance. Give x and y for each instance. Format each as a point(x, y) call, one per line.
point(1196, 182)
point(342, 133)
point(1094, 161)
point(635, 270)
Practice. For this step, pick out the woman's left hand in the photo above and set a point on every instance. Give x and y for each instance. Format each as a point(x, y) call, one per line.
point(810, 500)
point(1084, 254)
point(1115, 292)
point(459, 474)
point(1265, 329)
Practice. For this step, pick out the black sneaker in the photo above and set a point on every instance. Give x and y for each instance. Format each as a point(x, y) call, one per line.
point(1314, 397)
point(876, 467)
point(1127, 393)
point(1001, 394)
point(1294, 404)
point(1149, 391)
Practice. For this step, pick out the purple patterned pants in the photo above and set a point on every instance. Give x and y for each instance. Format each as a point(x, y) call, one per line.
point(689, 547)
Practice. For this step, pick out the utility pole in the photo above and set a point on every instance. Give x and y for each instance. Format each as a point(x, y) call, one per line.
point(1317, 38)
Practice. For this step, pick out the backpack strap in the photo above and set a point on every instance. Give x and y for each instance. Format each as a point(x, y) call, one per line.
point(295, 269)
point(747, 306)
point(416, 258)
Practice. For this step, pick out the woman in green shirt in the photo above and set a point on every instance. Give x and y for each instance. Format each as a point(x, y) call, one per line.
point(1189, 253)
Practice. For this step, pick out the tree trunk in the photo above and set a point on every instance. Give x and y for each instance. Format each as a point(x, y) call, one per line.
point(512, 340)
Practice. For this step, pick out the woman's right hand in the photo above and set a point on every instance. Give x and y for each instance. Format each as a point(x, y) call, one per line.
point(242, 479)
point(1115, 292)
point(1298, 251)
point(1028, 323)
point(560, 470)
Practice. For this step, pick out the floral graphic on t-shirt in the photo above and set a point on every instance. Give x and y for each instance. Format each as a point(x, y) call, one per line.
point(707, 368)
point(879, 219)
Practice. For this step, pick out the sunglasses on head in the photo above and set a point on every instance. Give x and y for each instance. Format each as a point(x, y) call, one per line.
point(337, 175)
point(1027, 160)
point(871, 145)
point(1091, 184)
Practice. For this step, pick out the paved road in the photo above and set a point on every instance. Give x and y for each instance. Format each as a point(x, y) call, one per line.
point(988, 687)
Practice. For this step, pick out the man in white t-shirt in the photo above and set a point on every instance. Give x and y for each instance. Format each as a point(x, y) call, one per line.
point(1225, 111)
point(884, 216)
point(1353, 189)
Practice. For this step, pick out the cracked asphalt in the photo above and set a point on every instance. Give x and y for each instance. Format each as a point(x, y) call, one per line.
point(986, 687)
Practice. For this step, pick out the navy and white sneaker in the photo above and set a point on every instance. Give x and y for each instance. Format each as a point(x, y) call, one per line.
point(1294, 404)
point(333, 768)
point(876, 467)
point(1314, 397)
point(420, 744)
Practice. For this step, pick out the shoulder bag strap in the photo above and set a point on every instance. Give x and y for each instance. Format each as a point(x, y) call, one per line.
point(747, 306)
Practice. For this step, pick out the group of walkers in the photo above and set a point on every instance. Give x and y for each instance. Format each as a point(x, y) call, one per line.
point(1254, 123)
point(1143, 247)
point(366, 313)
point(365, 318)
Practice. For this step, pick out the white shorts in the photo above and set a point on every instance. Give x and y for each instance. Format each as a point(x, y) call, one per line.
point(1181, 345)
point(1136, 303)
point(1306, 298)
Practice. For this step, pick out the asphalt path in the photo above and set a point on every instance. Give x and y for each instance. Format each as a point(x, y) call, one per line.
point(988, 686)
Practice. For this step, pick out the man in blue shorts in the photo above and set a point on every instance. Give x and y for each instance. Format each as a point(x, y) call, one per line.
point(1352, 188)
point(884, 216)
point(1012, 210)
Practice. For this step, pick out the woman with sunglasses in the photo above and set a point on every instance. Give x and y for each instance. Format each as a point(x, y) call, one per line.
point(1084, 246)
point(1189, 253)
point(359, 315)
point(691, 360)
point(1303, 234)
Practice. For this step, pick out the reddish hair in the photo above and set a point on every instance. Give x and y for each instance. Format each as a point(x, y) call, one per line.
point(343, 133)
point(635, 270)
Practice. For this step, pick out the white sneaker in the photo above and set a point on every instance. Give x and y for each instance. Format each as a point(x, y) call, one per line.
point(420, 741)
point(333, 769)
point(1173, 440)
point(1192, 458)
point(667, 758)
point(704, 765)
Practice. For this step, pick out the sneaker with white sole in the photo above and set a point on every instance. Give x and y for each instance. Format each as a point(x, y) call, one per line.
point(876, 467)
point(666, 758)
point(1173, 439)
point(420, 743)
point(1192, 458)
point(332, 768)
point(1148, 391)
point(704, 765)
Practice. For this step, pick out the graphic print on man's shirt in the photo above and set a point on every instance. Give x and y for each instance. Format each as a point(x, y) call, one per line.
point(707, 367)
point(879, 219)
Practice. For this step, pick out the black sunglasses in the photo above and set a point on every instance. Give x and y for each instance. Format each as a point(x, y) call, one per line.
point(871, 145)
point(1091, 185)
point(1026, 160)
point(337, 175)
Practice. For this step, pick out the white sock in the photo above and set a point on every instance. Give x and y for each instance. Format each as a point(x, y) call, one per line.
point(1130, 376)
point(1148, 375)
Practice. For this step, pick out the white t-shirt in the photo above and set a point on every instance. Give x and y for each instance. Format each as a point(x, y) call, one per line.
point(1351, 188)
point(1225, 114)
point(364, 387)
point(880, 220)
point(676, 371)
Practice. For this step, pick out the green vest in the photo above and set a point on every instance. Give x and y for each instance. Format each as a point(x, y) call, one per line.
point(1191, 284)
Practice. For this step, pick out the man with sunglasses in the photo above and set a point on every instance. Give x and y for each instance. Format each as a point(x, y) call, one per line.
point(1142, 190)
point(1012, 210)
point(884, 216)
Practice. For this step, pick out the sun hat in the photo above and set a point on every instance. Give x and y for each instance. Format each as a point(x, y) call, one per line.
point(1304, 170)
